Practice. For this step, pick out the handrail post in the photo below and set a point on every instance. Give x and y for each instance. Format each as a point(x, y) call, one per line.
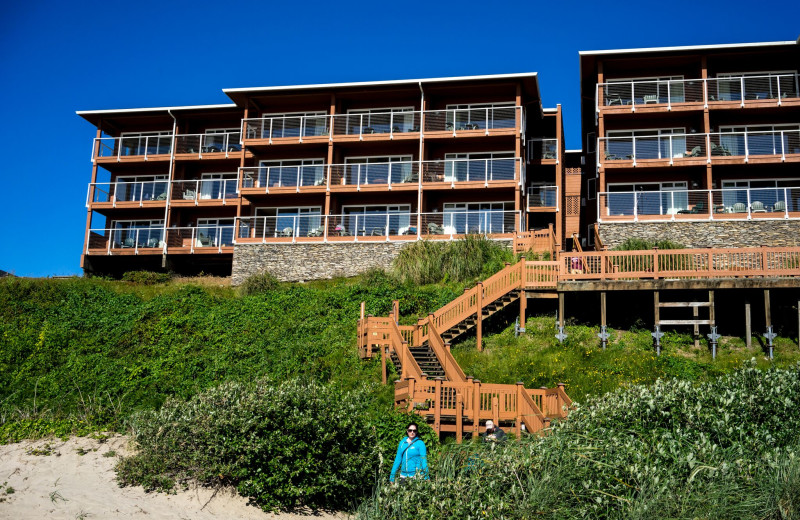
point(437, 407)
point(479, 316)
point(459, 418)
point(518, 422)
point(655, 263)
point(404, 360)
point(410, 393)
point(476, 407)
point(383, 362)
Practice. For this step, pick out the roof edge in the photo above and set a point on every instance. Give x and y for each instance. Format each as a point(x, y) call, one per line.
point(685, 48)
point(154, 109)
point(380, 83)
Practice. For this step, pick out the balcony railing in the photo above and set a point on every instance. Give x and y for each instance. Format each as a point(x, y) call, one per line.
point(198, 190)
point(451, 171)
point(208, 143)
point(543, 197)
point(542, 149)
point(134, 240)
point(389, 123)
point(130, 146)
point(204, 237)
point(668, 92)
point(677, 147)
point(266, 177)
point(136, 191)
point(375, 226)
point(156, 240)
point(715, 204)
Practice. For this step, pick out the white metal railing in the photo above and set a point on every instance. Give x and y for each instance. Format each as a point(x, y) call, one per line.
point(543, 197)
point(723, 203)
point(295, 176)
point(199, 144)
point(542, 148)
point(386, 225)
point(127, 146)
point(390, 122)
point(136, 239)
point(202, 236)
point(633, 93)
point(128, 191)
point(206, 189)
point(709, 146)
point(471, 170)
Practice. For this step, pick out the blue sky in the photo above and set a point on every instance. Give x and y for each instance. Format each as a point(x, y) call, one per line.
point(59, 57)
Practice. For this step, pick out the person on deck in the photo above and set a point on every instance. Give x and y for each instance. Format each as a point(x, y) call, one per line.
point(411, 458)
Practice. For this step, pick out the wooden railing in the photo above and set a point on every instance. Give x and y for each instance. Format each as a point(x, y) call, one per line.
point(538, 241)
point(472, 402)
point(452, 370)
point(598, 241)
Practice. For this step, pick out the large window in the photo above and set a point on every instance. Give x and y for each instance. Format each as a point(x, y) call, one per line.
point(214, 232)
point(376, 220)
point(289, 172)
point(380, 120)
point(488, 166)
point(479, 217)
point(480, 116)
point(146, 143)
point(637, 91)
point(137, 233)
point(218, 186)
point(656, 198)
point(379, 169)
point(735, 86)
point(657, 143)
point(140, 187)
point(288, 221)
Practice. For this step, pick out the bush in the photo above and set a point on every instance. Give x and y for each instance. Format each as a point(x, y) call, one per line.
point(639, 244)
point(429, 261)
point(259, 283)
point(289, 445)
point(146, 277)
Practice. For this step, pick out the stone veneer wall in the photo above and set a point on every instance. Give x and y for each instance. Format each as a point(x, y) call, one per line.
point(717, 233)
point(315, 261)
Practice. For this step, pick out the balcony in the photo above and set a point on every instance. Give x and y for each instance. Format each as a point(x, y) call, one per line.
point(209, 239)
point(692, 149)
point(199, 145)
point(133, 148)
point(770, 89)
point(716, 204)
point(544, 151)
point(290, 128)
point(542, 199)
point(154, 193)
point(372, 227)
point(268, 179)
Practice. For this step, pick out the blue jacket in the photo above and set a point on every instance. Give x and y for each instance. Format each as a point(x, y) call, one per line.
point(410, 459)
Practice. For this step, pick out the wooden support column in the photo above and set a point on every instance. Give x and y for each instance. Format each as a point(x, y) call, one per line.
point(518, 422)
point(242, 164)
point(476, 407)
point(706, 125)
point(383, 363)
point(560, 309)
point(459, 418)
point(656, 310)
point(603, 309)
point(767, 312)
point(748, 326)
point(479, 316)
point(712, 313)
point(523, 296)
point(437, 407)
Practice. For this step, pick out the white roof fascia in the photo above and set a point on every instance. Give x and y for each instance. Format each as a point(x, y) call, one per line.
point(579, 150)
point(381, 83)
point(154, 109)
point(687, 48)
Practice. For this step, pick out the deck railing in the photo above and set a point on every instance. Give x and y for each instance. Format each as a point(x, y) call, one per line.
point(543, 197)
point(716, 204)
point(712, 147)
point(128, 146)
point(140, 240)
point(295, 176)
point(136, 240)
point(127, 191)
point(278, 126)
point(538, 241)
point(199, 144)
point(198, 190)
point(639, 93)
point(389, 122)
point(204, 237)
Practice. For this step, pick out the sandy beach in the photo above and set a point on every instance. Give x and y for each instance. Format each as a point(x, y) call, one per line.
point(75, 479)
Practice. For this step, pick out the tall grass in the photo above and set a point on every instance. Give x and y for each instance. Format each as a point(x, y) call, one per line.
point(429, 261)
point(641, 244)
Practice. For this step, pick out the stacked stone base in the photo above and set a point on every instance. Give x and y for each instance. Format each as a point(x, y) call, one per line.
point(717, 233)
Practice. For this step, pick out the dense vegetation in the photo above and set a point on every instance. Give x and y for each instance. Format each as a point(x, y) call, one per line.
point(729, 448)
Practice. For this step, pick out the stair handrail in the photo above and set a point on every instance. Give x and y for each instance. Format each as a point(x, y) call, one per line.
point(452, 370)
point(453, 312)
point(409, 366)
point(530, 414)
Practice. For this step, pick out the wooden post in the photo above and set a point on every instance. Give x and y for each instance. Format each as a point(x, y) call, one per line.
point(560, 309)
point(603, 308)
point(479, 316)
point(656, 309)
point(437, 407)
point(767, 313)
point(748, 332)
point(404, 361)
point(712, 314)
point(518, 425)
point(410, 394)
point(523, 296)
point(383, 363)
point(459, 418)
point(476, 407)
point(496, 411)
point(696, 328)
point(363, 309)
point(396, 310)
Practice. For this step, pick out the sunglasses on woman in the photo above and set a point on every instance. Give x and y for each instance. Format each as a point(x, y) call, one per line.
point(411, 430)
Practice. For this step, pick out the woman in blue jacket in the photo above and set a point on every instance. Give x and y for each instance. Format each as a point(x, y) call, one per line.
point(411, 458)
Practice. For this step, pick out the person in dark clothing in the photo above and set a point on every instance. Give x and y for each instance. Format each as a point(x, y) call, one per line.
point(493, 434)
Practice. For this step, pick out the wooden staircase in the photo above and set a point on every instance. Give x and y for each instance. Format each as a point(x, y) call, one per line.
point(432, 384)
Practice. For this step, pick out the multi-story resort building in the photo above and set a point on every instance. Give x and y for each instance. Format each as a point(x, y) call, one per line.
point(361, 168)
point(699, 144)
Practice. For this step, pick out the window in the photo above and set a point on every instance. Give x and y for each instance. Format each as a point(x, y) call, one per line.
point(218, 186)
point(657, 143)
point(214, 232)
point(754, 85)
point(480, 116)
point(591, 189)
point(140, 187)
point(222, 139)
point(295, 124)
point(379, 169)
point(376, 220)
point(664, 198)
point(288, 221)
point(638, 91)
point(479, 217)
point(759, 140)
point(146, 143)
point(289, 172)
point(137, 233)
point(380, 120)
point(488, 166)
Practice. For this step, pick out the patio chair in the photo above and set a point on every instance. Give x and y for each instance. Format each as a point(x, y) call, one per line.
point(287, 232)
point(700, 207)
point(316, 232)
point(719, 150)
point(188, 194)
point(757, 207)
point(377, 232)
point(779, 206)
point(435, 229)
point(129, 242)
point(694, 153)
point(650, 98)
point(613, 99)
point(152, 242)
point(739, 207)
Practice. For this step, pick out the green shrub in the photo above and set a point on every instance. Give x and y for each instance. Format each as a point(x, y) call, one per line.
point(146, 277)
point(258, 283)
point(433, 261)
point(639, 244)
point(288, 445)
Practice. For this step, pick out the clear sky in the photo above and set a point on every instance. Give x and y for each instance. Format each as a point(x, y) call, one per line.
point(57, 57)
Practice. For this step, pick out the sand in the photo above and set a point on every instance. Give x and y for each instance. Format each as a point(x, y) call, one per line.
point(75, 479)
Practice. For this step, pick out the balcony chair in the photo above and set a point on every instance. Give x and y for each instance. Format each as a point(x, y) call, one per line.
point(435, 229)
point(650, 98)
point(129, 242)
point(189, 194)
point(316, 232)
point(757, 207)
point(613, 99)
point(287, 232)
point(719, 150)
point(378, 232)
point(162, 196)
point(204, 241)
point(696, 152)
point(152, 242)
point(700, 207)
point(739, 207)
point(779, 206)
